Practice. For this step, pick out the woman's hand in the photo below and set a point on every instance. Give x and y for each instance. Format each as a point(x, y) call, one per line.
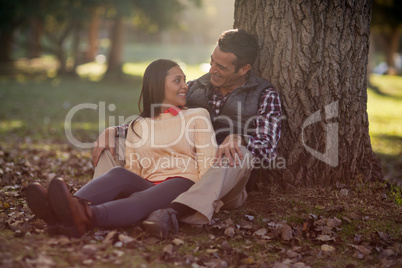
point(230, 148)
point(105, 141)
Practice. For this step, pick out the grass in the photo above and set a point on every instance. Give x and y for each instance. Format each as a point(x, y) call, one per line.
point(38, 106)
point(385, 115)
point(385, 126)
point(39, 110)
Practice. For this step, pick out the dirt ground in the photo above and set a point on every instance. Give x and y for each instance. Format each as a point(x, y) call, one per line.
point(357, 225)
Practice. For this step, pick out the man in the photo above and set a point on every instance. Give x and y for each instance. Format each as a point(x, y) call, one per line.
point(245, 112)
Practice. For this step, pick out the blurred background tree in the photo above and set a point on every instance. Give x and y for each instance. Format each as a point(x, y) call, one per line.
point(386, 24)
point(12, 16)
point(76, 31)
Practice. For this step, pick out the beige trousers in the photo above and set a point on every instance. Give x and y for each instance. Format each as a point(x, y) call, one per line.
point(107, 162)
point(221, 187)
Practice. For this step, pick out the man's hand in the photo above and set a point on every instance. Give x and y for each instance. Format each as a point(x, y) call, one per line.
point(229, 148)
point(105, 141)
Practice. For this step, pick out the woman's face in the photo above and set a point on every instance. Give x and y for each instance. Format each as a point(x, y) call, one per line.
point(175, 87)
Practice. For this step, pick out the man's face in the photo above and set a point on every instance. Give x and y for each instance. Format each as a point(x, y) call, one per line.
point(222, 71)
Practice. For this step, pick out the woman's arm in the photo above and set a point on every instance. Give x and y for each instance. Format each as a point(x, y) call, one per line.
point(204, 141)
point(131, 156)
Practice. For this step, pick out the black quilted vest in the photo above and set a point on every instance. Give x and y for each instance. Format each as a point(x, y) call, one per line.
point(239, 110)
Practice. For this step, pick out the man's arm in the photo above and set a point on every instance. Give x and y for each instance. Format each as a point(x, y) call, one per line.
point(263, 142)
point(107, 141)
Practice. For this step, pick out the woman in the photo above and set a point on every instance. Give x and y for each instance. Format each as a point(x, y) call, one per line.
point(168, 149)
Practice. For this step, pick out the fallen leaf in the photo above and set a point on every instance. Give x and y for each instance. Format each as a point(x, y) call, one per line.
point(322, 221)
point(325, 238)
point(357, 238)
point(286, 232)
point(88, 261)
point(168, 249)
point(335, 222)
point(246, 225)
point(383, 236)
point(247, 261)
point(151, 240)
point(217, 204)
point(327, 248)
point(362, 249)
point(260, 232)
point(335, 208)
point(118, 244)
point(109, 237)
point(118, 253)
point(4, 205)
point(305, 226)
point(386, 253)
point(226, 246)
point(347, 219)
point(230, 231)
point(126, 239)
point(324, 230)
point(249, 217)
point(340, 185)
point(344, 192)
point(42, 261)
point(291, 254)
point(177, 242)
point(354, 216)
point(89, 250)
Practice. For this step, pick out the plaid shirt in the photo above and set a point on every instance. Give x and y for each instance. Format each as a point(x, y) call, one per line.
point(263, 142)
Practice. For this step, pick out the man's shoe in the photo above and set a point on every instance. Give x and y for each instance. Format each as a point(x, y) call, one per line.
point(161, 222)
point(38, 203)
point(75, 215)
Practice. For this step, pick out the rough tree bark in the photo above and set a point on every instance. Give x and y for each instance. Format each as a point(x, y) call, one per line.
point(315, 53)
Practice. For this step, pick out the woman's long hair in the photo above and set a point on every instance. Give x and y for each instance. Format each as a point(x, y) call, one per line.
point(153, 89)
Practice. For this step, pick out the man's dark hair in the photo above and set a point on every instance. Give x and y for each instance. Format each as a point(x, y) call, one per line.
point(242, 44)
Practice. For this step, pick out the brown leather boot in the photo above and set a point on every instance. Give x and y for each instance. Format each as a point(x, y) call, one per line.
point(38, 202)
point(75, 215)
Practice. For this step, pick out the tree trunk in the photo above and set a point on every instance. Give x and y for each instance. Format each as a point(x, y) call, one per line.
point(116, 49)
point(36, 32)
point(78, 58)
point(93, 37)
point(315, 54)
point(391, 44)
point(61, 57)
point(6, 42)
point(370, 66)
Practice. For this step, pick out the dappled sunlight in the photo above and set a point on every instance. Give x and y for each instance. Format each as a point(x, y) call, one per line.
point(191, 71)
point(9, 125)
point(389, 84)
point(92, 71)
point(385, 115)
point(89, 126)
point(135, 69)
point(194, 71)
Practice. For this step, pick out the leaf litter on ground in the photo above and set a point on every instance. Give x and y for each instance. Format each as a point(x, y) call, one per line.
point(276, 229)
